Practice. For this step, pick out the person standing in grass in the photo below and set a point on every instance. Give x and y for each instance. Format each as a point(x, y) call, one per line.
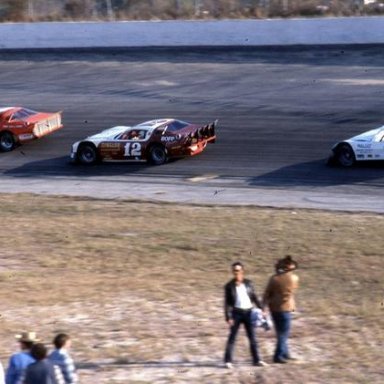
point(20, 360)
point(60, 357)
point(239, 299)
point(279, 297)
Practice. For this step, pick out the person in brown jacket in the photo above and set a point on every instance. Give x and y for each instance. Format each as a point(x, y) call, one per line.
point(279, 297)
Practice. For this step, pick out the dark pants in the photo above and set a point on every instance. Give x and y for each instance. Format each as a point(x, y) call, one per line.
point(241, 317)
point(282, 323)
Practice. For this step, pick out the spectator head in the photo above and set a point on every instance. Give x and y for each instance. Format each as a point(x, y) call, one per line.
point(238, 271)
point(26, 340)
point(62, 340)
point(39, 351)
point(237, 264)
point(286, 264)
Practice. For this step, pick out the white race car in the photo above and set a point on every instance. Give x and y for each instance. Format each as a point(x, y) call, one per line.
point(367, 146)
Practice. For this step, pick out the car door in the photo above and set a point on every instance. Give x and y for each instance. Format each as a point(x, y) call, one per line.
point(378, 147)
point(125, 147)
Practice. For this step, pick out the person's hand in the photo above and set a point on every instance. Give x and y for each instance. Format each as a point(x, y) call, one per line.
point(230, 322)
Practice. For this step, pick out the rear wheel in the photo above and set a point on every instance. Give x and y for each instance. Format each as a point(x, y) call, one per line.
point(7, 142)
point(345, 155)
point(87, 154)
point(157, 155)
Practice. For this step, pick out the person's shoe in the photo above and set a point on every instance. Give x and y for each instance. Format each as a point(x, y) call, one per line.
point(260, 364)
point(280, 361)
point(291, 358)
point(228, 365)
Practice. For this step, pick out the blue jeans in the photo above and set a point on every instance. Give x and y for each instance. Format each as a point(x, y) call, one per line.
point(241, 317)
point(282, 323)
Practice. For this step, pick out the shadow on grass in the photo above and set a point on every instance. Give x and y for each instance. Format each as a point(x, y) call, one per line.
point(153, 364)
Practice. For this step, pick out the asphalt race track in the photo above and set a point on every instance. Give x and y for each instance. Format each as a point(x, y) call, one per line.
point(279, 111)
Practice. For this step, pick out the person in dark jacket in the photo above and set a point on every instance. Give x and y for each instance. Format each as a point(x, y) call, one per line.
point(239, 299)
point(42, 371)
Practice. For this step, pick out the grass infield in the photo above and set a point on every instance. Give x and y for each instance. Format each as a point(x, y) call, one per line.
point(139, 286)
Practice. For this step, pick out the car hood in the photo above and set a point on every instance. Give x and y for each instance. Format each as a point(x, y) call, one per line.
point(109, 133)
point(367, 136)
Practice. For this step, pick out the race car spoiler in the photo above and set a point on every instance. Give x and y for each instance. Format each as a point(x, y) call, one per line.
point(206, 132)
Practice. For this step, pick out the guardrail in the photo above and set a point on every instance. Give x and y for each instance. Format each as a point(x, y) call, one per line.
point(221, 33)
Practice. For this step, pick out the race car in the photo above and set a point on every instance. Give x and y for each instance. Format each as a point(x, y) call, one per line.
point(19, 125)
point(367, 146)
point(154, 141)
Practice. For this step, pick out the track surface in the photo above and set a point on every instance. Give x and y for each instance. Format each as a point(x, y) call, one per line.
point(279, 111)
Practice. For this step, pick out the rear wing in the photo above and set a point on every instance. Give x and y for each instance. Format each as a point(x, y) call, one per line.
point(206, 132)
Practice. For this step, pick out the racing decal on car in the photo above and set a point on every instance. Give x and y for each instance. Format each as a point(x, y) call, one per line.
point(25, 136)
point(109, 149)
point(168, 139)
point(132, 150)
point(107, 146)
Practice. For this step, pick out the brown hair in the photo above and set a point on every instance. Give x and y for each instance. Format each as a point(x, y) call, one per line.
point(285, 264)
point(60, 340)
point(39, 351)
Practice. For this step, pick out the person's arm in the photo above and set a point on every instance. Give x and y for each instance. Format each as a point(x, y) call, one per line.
point(267, 294)
point(253, 296)
point(59, 378)
point(227, 311)
point(11, 374)
point(69, 371)
point(295, 279)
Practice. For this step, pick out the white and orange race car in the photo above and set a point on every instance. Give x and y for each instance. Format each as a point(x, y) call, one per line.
point(19, 125)
point(154, 141)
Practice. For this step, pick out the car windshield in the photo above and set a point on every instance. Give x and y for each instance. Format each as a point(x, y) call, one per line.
point(22, 114)
point(176, 125)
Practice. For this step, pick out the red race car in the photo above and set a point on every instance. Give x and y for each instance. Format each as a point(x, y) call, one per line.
point(154, 141)
point(19, 125)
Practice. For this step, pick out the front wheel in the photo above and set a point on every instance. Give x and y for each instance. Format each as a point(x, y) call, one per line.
point(87, 154)
point(345, 155)
point(7, 142)
point(158, 155)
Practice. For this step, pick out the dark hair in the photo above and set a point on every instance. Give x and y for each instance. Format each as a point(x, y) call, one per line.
point(283, 265)
point(39, 351)
point(27, 344)
point(238, 264)
point(60, 340)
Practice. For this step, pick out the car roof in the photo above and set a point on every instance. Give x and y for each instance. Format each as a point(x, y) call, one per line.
point(5, 109)
point(153, 124)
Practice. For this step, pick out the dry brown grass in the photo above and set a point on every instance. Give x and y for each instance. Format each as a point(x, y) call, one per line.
point(139, 286)
point(67, 10)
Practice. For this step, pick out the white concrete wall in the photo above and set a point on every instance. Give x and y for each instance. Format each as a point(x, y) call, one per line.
point(320, 31)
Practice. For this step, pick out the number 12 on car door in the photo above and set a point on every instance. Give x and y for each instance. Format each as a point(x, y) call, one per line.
point(132, 150)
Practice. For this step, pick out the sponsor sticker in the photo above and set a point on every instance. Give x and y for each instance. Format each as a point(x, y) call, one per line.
point(26, 136)
point(110, 145)
point(168, 139)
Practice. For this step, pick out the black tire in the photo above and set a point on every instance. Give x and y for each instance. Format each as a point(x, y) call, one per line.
point(87, 154)
point(345, 155)
point(158, 155)
point(7, 142)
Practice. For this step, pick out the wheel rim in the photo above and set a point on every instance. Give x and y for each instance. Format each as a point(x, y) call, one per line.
point(346, 157)
point(87, 155)
point(158, 155)
point(6, 142)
